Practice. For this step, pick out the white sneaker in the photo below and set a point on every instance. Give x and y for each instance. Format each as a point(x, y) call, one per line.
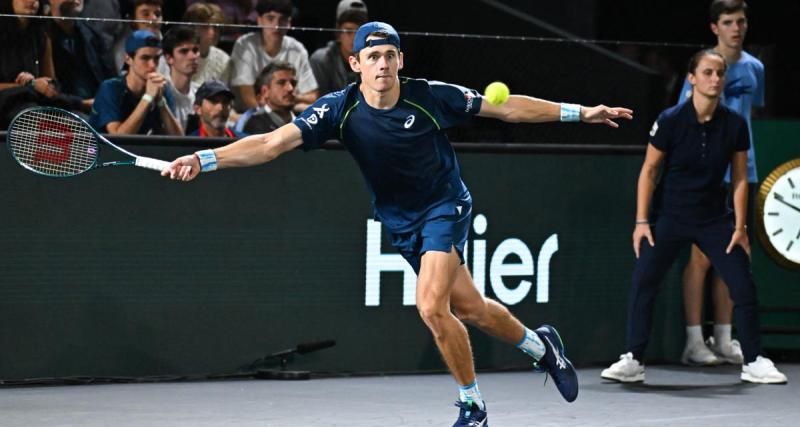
point(762, 371)
point(699, 355)
point(731, 353)
point(627, 370)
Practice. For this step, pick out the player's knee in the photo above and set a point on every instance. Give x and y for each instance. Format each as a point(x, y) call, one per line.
point(432, 311)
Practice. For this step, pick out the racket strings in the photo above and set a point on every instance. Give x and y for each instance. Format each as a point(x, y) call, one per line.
point(52, 142)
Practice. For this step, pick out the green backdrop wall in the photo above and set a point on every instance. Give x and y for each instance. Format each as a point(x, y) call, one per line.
point(122, 273)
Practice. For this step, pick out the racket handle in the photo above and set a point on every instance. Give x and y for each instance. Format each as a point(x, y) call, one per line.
point(149, 163)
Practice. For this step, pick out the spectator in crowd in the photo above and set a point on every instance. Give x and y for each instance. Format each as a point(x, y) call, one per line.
point(275, 87)
point(26, 61)
point(139, 101)
point(182, 51)
point(212, 106)
point(107, 10)
point(143, 10)
point(252, 52)
point(235, 11)
point(744, 88)
point(213, 61)
point(691, 146)
point(83, 61)
point(330, 63)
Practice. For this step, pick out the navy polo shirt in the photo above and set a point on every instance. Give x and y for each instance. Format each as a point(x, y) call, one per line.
point(697, 154)
point(114, 102)
point(406, 159)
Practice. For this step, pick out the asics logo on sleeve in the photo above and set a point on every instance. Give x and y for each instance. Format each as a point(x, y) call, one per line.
point(409, 122)
point(654, 129)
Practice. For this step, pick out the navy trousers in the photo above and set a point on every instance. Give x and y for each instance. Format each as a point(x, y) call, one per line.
point(712, 238)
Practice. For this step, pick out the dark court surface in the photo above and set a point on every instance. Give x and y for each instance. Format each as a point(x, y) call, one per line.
point(671, 396)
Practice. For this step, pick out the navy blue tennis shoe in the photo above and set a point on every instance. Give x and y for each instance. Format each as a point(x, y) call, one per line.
point(555, 363)
point(471, 415)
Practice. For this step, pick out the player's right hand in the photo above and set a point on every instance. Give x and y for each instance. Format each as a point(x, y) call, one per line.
point(640, 232)
point(184, 168)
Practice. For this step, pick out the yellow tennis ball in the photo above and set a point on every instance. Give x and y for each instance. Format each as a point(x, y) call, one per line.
point(496, 93)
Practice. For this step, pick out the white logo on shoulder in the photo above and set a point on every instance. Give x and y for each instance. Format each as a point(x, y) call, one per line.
point(654, 129)
point(322, 110)
point(468, 96)
point(409, 122)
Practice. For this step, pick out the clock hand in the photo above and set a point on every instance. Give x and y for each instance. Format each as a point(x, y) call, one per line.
point(779, 198)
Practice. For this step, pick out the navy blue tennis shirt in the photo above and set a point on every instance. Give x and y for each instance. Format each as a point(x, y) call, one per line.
point(406, 159)
point(697, 155)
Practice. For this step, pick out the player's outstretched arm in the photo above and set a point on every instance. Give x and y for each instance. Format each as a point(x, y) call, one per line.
point(248, 151)
point(521, 108)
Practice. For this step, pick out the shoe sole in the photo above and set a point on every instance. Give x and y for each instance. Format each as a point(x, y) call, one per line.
point(689, 362)
point(634, 379)
point(751, 379)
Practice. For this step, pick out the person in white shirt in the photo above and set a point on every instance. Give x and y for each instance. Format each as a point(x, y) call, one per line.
point(213, 61)
point(252, 52)
point(182, 53)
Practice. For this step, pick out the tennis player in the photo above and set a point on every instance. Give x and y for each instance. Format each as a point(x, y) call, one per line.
point(394, 128)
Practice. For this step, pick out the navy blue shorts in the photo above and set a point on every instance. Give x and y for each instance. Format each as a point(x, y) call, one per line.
point(435, 234)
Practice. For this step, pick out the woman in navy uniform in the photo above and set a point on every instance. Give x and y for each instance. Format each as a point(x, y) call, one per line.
point(692, 144)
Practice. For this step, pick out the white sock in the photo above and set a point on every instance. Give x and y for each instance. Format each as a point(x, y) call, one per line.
point(471, 392)
point(532, 344)
point(694, 335)
point(722, 335)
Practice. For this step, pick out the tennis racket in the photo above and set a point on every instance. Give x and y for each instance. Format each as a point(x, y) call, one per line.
point(54, 142)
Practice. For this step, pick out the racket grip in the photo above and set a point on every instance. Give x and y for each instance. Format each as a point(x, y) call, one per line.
point(150, 163)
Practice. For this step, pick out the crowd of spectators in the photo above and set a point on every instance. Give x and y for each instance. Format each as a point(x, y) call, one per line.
point(140, 77)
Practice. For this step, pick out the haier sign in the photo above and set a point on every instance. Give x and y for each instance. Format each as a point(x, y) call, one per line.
point(378, 263)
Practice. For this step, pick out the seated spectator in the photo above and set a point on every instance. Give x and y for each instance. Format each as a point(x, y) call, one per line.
point(330, 63)
point(83, 62)
point(275, 86)
point(252, 52)
point(107, 12)
point(143, 10)
point(26, 62)
point(235, 11)
point(212, 106)
point(138, 101)
point(182, 50)
point(213, 63)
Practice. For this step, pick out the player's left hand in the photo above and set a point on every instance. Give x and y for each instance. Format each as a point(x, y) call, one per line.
point(739, 238)
point(184, 168)
point(603, 114)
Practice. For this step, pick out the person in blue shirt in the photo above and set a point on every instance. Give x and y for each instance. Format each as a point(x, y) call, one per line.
point(139, 101)
point(394, 128)
point(692, 145)
point(744, 89)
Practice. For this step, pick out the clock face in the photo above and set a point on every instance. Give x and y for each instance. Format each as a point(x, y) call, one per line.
point(781, 215)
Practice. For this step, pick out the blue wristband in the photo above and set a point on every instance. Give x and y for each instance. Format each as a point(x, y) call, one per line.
point(208, 160)
point(570, 112)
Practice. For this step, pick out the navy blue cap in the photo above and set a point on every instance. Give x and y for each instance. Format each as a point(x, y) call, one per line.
point(210, 88)
point(140, 39)
point(360, 40)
